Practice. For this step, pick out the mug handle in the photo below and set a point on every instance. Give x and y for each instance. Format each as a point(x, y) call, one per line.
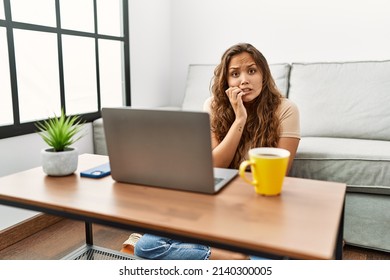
point(242, 171)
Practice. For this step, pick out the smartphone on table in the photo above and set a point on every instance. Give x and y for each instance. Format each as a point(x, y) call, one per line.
point(97, 172)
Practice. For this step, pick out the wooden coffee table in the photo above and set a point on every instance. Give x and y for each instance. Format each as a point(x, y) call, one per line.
point(304, 222)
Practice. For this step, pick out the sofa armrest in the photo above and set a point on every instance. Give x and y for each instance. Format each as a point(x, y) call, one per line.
point(99, 139)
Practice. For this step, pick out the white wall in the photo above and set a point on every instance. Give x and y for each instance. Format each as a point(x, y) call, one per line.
point(284, 30)
point(150, 52)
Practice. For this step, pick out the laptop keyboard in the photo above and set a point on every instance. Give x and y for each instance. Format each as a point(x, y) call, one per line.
point(217, 180)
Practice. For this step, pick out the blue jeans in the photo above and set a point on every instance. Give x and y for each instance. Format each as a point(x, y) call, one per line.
point(161, 248)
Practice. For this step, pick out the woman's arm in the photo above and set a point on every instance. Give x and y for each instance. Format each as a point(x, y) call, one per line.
point(223, 152)
point(290, 144)
point(290, 129)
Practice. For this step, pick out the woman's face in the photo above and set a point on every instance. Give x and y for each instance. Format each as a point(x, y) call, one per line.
point(244, 74)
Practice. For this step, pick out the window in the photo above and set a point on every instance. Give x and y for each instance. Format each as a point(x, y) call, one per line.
point(71, 54)
point(5, 85)
point(2, 16)
point(36, 63)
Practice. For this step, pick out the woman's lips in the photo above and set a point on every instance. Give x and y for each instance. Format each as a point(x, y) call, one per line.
point(245, 90)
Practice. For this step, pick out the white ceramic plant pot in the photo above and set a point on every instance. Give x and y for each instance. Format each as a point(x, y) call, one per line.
point(59, 163)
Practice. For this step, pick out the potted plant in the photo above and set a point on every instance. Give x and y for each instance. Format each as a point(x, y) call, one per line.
point(60, 133)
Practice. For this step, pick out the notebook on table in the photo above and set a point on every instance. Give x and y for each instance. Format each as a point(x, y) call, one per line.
point(162, 148)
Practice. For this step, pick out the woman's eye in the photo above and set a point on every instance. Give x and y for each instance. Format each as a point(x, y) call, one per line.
point(252, 71)
point(234, 74)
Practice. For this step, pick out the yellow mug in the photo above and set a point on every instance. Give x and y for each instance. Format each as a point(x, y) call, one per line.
point(268, 166)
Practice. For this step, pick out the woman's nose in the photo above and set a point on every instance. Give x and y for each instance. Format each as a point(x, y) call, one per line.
point(244, 79)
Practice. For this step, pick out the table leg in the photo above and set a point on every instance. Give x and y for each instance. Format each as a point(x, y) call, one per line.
point(88, 233)
point(340, 236)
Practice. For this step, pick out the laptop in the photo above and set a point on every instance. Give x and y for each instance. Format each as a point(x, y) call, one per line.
point(163, 148)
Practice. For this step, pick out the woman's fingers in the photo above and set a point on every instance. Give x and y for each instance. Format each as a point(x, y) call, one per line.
point(235, 97)
point(234, 93)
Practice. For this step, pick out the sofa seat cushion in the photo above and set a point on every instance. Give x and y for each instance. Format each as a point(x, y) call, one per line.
point(364, 165)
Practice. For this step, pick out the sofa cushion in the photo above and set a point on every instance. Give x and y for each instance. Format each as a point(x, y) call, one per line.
point(99, 139)
point(364, 165)
point(281, 73)
point(199, 83)
point(348, 100)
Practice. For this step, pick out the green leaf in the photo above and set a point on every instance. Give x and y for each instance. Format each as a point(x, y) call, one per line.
point(59, 132)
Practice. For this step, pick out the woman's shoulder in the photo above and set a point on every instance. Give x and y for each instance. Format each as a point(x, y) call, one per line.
point(289, 119)
point(285, 102)
point(287, 105)
point(287, 108)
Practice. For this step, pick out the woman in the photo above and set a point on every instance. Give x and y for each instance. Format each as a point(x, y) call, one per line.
point(247, 111)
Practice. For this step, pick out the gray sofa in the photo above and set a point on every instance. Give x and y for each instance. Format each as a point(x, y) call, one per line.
point(345, 118)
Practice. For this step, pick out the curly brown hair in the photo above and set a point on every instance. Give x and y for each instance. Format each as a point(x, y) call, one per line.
point(262, 125)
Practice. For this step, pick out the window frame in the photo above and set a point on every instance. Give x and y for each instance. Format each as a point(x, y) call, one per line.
point(18, 128)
